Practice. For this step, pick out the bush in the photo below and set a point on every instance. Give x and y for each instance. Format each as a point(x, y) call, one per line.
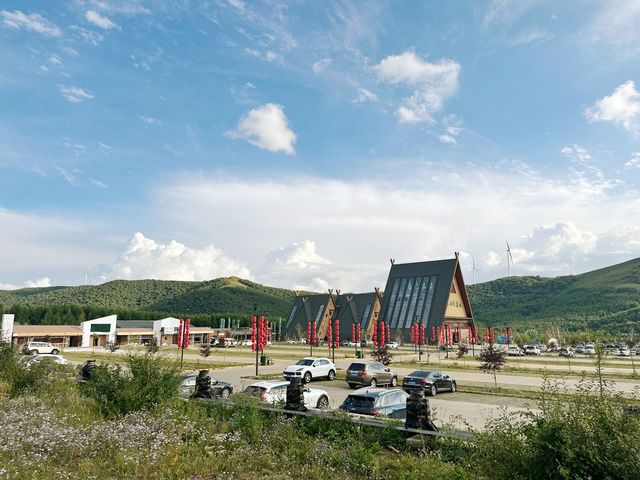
point(382, 354)
point(143, 384)
point(18, 378)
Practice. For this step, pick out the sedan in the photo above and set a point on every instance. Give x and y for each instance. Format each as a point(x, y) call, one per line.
point(275, 391)
point(218, 387)
point(375, 401)
point(433, 382)
point(393, 345)
point(565, 352)
point(39, 359)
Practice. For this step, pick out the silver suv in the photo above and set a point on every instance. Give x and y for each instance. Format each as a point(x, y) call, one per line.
point(35, 348)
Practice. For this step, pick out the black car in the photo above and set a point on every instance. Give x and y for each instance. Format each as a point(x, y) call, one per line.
point(218, 387)
point(433, 382)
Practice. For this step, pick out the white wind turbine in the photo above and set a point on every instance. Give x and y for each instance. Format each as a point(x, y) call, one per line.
point(474, 269)
point(509, 259)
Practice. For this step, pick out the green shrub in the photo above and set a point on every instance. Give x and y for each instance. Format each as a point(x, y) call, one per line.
point(144, 383)
point(17, 378)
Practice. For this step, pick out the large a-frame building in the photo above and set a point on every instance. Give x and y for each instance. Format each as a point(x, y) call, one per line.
point(429, 293)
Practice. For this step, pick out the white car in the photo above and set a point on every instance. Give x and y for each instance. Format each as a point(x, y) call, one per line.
point(393, 345)
point(246, 342)
point(531, 350)
point(275, 391)
point(589, 351)
point(514, 351)
point(35, 348)
point(60, 360)
point(623, 352)
point(310, 368)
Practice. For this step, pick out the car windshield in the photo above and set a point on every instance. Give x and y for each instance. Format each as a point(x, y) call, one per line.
point(255, 391)
point(357, 366)
point(305, 361)
point(358, 401)
point(420, 374)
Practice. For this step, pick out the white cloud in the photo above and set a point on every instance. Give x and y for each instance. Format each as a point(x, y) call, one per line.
point(70, 177)
point(492, 259)
point(576, 153)
point(434, 83)
point(33, 21)
point(622, 108)
point(365, 95)
point(97, 183)
point(55, 60)
point(266, 127)
point(615, 28)
point(506, 11)
point(531, 36)
point(300, 255)
point(145, 258)
point(634, 162)
point(321, 65)
point(39, 283)
point(99, 20)
point(94, 38)
point(150, 120)
point(268, 55)
point(129, 7)
point(74, 94)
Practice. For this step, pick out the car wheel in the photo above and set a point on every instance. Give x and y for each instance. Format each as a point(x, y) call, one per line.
point(433, 391)
point(226, 393)
point(323, 403)
point(352, 385)
point(55, 351)
point(394, 381)
point(373, 383)
point(307, 377)
point(34, 352)
point(453, 387)
point(331, 375)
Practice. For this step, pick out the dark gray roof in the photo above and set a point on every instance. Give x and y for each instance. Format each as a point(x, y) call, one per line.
point(134, 323)
point(355, 308)
point(418, 292)
point(303, 311)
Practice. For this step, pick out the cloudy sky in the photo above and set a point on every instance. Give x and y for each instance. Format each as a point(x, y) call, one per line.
point(304, 143)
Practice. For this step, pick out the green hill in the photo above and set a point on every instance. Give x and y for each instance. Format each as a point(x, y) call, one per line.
point(203, 301)
point(607, 299)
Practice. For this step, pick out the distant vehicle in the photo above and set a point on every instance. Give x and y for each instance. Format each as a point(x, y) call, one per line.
point(565, 352)
point(579, 348)
point(218, 387)
point(515, 351)
point(310, 368)
point(543, 348)
point(393, 345)
point(370, 373)
point(623, 352)
point(229, 342)
point(375, 401)
point(590, 344)
point(291, 341)
point(246, 342)
point(433, 382)
point(48, 358)
point(531, 350)
point(445, 346)
point(35, 348)
point(589, 351)
point(275, 391)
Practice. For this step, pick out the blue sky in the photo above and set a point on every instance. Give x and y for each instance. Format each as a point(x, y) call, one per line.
point(303, 144)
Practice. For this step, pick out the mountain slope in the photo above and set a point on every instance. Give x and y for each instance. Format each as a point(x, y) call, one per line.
point(605, 298)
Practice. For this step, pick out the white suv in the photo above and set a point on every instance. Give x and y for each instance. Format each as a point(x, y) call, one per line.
point(310, 368)
point(34, 348)
point(531, 350)
point(275, 391)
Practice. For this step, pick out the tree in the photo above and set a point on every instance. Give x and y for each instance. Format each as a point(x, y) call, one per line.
point(205, 350)
point(152, 345)
point(493, 359)
point(382, 354)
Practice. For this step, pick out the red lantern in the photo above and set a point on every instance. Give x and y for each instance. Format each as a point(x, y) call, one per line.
point(421, 339)
point(486, 335)
point(493, 335)
point(353, 332)
point(336, 332)
point(186, 332)
point(254, 345)
point(469, 337)
point(375, 333)
point(433, 334)
point(180, 332)
point(510, 335)
point(358, 339)
point(329, 335)
point(309, 333)
point(381, 338)
point(314, 332)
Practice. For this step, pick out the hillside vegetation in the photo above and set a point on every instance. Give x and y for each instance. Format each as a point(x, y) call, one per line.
point(605, 299)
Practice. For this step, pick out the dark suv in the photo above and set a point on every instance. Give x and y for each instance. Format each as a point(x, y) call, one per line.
point(376, 401)
point(370, 373)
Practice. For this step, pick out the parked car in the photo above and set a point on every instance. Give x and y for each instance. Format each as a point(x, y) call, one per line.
point(370, 373)
point(514, 351)
point(589, 350)
point(35, 348)
point(229, 342)
point(218, 387)
point(531, 350)
point(36, 359)
point(275, 391)
point(375, 401)
point(309, 368)
point(579, 348)
point(623, 352)
point(565, 352)
point(246, 342)
point(432, 381)
point(393, 345)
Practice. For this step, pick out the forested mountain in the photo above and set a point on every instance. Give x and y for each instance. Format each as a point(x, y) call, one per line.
point(607, 299)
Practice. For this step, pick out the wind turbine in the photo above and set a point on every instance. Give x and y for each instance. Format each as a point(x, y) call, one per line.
point(509, 259)
point(474, 269)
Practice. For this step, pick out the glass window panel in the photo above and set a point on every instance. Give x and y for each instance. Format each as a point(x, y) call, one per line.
point(319, 315)
point(396, 302)
point(292, 316)
point(412, 304)
point(405, 302)
point(429, 301)
point(392, 296)
point(421, 298)
point(365, 316)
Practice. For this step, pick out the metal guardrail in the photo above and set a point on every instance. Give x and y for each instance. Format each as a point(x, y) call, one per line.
point(369, 422)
